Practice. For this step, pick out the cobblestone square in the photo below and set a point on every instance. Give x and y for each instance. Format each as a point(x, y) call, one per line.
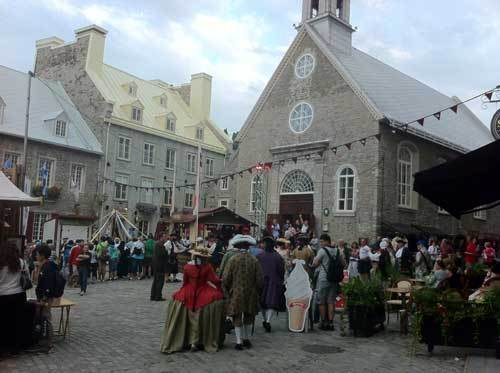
point(115, 328)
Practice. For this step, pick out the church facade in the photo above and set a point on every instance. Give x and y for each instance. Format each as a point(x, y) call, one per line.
point(331, 119)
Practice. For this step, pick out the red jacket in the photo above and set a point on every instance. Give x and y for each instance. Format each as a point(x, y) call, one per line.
point(196, 292)
point(471, 253)
point(73, 257)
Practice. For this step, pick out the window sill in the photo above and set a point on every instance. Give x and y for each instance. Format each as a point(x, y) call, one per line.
point(190, 173)
point(123, 159)
point(407, 209)
point(120, 200)
point(169, 168)
point(149, 165)
point(344, 213)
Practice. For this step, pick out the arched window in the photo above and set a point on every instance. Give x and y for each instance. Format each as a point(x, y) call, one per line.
point(297, 182)
point(346, 189)
point(256, 193)
point(407, 166)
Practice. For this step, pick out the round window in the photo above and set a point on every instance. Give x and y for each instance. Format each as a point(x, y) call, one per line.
point(301, 117)
point(304, 66)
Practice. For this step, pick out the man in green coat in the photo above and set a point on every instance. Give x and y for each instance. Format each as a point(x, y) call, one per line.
point(148, 255)
point(242, 283)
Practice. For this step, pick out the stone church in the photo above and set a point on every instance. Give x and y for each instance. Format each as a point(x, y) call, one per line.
point(325, 92)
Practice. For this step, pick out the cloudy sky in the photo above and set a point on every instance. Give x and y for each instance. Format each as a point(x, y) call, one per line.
point(452, 46)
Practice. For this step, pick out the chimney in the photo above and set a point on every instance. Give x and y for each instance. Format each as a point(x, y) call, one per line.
point(201, 95)
point(95, 51)
point(51, 42)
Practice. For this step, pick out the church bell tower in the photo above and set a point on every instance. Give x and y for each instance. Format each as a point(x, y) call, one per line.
point(331, 19)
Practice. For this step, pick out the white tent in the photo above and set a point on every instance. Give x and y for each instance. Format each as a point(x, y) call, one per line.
point(11, 196)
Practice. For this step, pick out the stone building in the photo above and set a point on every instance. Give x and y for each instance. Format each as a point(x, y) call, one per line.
point(59, 140)
point(325, 93)
point(149, 129)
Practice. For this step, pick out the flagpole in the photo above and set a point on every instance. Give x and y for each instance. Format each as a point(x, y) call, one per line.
point(172, 207)
point(25, 150)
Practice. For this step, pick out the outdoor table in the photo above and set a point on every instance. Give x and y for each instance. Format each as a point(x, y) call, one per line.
point(416, 281)
point(403, 321)
point(65, 306)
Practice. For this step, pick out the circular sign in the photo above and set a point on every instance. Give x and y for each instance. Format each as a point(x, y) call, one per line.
point(495, 125)
point(326, 211)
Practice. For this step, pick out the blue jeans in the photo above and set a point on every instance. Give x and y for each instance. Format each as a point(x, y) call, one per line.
point(83, 272)
point(137, 266)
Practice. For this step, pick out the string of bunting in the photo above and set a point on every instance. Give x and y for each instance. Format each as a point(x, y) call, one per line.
point(454, 108)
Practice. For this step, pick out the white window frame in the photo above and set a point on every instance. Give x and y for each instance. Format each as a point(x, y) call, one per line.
point(132, 89)
point(169, 191)
point(170, 158)
point(147, 195)
point(52, 171)
point(210, 167)
point(148, 154)
point(170, 123)
point(14, 156)
point(124, 148)
point(224, 183)
point(339, 199)
point(121, 185)
point(480, 215)
point(222, 201)
point(137, 114)
point(301, 118)
point(80, 183)
point(442, 211)
point(61, 128)
point(189, 199)
point(200, 133)
point(191, 159)
point(406, 197)
point(39, 219)
point(301, 67)
point(253, 202)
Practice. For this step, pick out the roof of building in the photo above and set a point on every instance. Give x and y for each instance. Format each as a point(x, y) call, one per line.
point(112, 84)
point(49, 102)
point(402, 98)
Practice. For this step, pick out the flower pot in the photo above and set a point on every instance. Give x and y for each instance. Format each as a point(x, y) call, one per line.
point(364, 319)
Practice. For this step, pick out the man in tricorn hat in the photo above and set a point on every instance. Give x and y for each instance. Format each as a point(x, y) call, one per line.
point(242, 283)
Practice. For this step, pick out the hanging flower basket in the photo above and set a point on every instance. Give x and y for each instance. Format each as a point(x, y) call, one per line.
point(53, 193)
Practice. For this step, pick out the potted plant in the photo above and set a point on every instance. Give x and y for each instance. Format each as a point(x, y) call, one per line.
point(365, 305)
point(53, 193)
point(37, 190)
point(444, 318)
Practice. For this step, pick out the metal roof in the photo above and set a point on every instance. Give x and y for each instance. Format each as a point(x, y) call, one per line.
point(403, 99)
point(49, 101)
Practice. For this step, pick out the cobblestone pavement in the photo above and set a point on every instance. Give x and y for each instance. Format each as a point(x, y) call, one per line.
point(115, 328)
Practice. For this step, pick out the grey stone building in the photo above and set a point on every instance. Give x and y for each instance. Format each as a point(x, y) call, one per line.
point(59, 140)
point(149, 130)
point(326, 93)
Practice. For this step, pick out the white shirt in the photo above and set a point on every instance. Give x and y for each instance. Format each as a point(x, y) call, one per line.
point(10, 282)
point(304, 229)
point(364, 252)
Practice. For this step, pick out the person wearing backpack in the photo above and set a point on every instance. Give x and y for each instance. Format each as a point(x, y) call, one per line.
point(330, 272)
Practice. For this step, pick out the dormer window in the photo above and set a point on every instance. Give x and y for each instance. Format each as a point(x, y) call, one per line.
point(2, 110)
point(199, 133)
point(61, 127)
point(163, 101)
point(131, 89)
point(136, 114)
point(170, 123)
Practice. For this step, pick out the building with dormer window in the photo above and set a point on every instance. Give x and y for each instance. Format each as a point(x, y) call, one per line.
point(63, 155)
point(148, 129)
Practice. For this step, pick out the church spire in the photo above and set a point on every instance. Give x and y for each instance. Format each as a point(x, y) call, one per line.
point(337, 8)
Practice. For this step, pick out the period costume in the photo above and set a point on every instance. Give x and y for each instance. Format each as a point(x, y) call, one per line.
point(158, 264)
point(195, 315)
point(272, 298)
point(242, 283)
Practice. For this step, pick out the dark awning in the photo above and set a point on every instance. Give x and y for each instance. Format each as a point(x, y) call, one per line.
point(465, 183)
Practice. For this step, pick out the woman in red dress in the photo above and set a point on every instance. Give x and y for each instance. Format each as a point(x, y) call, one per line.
point(195, 316)
point(471, 252)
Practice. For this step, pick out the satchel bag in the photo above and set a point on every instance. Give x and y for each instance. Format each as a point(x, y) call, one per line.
point(25, 280)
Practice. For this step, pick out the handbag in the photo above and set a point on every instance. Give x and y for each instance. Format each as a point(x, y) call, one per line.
point(25, 280)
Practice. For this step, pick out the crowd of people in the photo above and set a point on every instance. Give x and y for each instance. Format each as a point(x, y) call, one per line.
point(226, 284)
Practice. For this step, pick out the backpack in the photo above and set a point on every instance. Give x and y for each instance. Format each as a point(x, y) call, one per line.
point(137, 251)
point(335, 270)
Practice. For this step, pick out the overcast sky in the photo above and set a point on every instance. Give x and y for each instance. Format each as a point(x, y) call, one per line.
point(453, 46)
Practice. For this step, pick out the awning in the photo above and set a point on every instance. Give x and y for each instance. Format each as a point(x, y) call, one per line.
point(464, 184)
point(219, 215)
point(11, 196)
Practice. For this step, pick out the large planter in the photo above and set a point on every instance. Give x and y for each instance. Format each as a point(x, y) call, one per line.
point(482, 333)
point(365, 320)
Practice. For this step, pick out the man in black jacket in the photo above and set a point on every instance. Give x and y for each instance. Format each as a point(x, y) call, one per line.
point(158, 266)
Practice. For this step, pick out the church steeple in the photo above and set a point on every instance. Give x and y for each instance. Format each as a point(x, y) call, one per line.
point(337, 8)
point(331, 19)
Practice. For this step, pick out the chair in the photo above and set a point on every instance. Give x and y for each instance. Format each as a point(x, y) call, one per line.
point(397, 304)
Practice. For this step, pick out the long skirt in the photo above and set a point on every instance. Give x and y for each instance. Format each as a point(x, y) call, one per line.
point(184, 328)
